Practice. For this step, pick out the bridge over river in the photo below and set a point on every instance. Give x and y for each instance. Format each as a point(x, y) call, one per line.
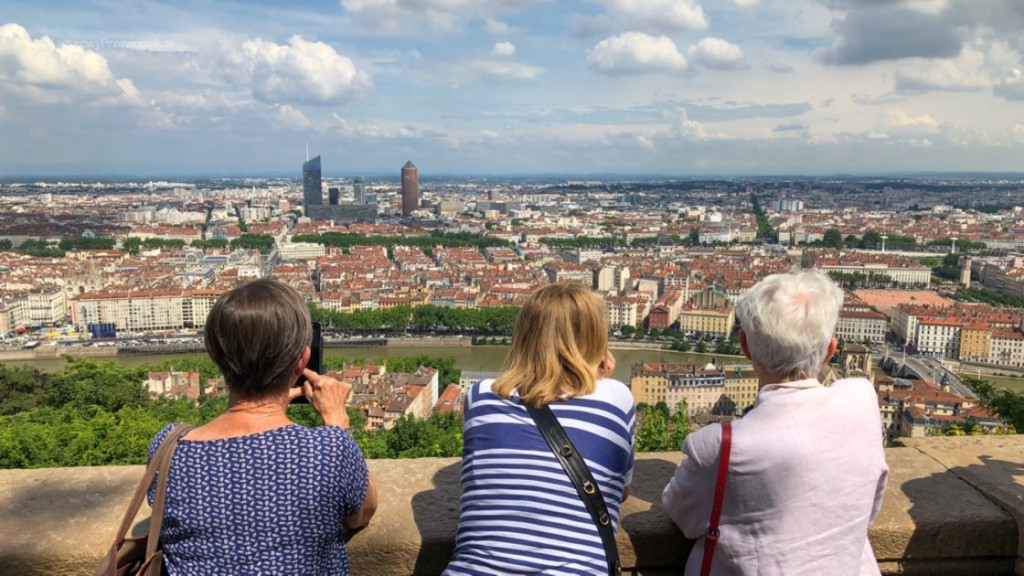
point(901, 365)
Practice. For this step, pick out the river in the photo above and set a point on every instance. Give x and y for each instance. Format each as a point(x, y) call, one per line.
point(471, 358)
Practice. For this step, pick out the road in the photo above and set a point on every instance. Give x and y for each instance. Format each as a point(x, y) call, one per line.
point(932, 369)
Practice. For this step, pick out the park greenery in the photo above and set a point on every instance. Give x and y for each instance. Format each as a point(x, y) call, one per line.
point(987, 296)
point(947, 268)
point(426, 242)
point(853, 280)
point(584, 242)
point(660, 430)
point(97, 412)
point(764, 228)
point(1009, 405)
point(262, 242)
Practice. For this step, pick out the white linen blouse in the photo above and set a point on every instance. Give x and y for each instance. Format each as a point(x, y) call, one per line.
point(807, 474)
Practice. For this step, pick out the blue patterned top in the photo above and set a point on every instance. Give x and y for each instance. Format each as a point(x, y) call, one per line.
point(267, 503)
point(520, 513)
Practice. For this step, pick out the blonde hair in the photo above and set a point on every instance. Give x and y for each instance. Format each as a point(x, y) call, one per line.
point(559, 337)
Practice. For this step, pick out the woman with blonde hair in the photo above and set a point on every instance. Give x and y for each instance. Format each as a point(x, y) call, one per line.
point(520, 512)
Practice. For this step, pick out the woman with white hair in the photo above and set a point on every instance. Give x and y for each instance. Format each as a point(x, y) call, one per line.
point(806, 471)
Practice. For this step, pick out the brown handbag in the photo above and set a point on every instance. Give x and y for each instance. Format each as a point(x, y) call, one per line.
point(141, 555)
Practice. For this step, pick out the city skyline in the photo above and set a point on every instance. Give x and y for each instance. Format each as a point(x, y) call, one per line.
point(654, 87)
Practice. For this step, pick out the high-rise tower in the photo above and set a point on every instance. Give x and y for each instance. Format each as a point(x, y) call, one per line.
point(357, 190)
point(410, 188)
point(312, 191)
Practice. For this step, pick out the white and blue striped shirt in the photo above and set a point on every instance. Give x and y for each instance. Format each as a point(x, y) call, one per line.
point(520, 514)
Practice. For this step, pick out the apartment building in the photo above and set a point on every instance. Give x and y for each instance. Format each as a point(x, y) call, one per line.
point(938, 337)
point(900, 271)
point(718, 323)
point(301, 250)
point(702, 388)
point(861, 326)
point(976, 342)
point(741, 386)
point(1006, 348)
point(44, 307)
point(622, 311)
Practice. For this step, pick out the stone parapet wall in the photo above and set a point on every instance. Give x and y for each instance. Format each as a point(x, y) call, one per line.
point(953, 506)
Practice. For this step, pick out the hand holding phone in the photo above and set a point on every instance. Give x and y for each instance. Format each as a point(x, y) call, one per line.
point(316, 361)
point(606, 367)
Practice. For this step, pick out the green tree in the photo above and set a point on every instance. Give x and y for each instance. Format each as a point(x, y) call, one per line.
point(833, 238)
point(85, 243)
point(262, 242)
point(132, 245)
point(679, 426)
point(653, 434)
point(1008, 405)
point(21, 389)
point(88, 382)
point(659, 430)
point(764, 228)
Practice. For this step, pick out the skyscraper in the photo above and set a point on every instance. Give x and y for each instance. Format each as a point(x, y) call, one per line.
point(312, 191)
point(410, 188)
point(357, 190)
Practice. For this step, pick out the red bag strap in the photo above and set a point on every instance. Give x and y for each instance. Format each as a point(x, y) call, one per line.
point(711, 534)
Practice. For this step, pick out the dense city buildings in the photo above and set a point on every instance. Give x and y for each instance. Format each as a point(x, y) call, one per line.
point(88, 261)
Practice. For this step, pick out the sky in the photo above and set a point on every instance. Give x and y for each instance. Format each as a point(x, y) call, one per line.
point(668, 87)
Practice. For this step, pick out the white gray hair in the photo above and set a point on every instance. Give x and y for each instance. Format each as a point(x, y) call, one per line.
point(789, 321)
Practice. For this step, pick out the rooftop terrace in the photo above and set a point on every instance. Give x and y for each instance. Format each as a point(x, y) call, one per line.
point(953, 506)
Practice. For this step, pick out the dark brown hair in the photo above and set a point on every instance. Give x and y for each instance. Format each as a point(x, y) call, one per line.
point(256, 334)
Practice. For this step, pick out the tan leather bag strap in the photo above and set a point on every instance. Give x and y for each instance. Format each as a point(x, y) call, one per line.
point(161, 461)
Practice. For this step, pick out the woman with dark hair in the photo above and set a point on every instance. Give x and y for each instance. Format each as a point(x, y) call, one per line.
point(251, 492)
point(520, 513)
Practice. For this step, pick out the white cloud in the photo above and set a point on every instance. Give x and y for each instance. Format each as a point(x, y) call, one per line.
point(1011, 87)
point(636, 53)
point(685, 129)
point(291, 118)
point(658, 14)
point(586, 27)
point(374, 13)
point(966, 72)
point(716, 53)
point(42, 72)
point(386, 131)
point(745, 3)
point(506, 69)
point(496, 27)
point(645, 141)
point(503, 49)
point(438, 14)
point(1018, 133)
point(299, 72)
point(900, 124)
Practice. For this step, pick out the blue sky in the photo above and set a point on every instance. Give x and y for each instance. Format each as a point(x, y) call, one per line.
point(676, 87)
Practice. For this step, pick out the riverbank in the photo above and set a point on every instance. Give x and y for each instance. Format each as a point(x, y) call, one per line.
point(484, 359)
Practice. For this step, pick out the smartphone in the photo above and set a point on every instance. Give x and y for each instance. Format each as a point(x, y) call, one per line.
point(316, 360)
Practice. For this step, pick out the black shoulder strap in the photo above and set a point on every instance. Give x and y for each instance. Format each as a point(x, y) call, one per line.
point(574, 465)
